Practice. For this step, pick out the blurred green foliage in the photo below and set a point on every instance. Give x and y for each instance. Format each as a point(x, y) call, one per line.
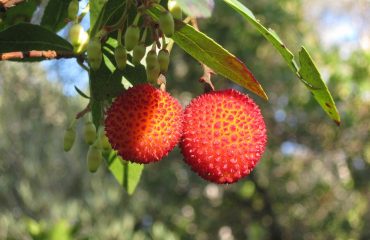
point(312, 183)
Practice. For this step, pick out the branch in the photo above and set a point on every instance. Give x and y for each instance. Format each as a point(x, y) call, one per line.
point(47, 55)
point(5, 4)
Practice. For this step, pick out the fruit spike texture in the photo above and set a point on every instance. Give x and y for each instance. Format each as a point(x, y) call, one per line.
point(224, 136)
point(144, 124)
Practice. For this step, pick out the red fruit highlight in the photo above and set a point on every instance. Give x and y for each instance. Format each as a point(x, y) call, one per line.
point(224, 136)
point(144, 124)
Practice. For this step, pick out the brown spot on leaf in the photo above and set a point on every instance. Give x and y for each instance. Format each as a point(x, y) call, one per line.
point(328, 105)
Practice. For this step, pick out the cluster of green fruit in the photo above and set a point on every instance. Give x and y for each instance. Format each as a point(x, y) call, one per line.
point(128, 40)
point(96, 138)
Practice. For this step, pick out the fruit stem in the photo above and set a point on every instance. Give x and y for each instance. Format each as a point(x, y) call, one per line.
point(137, 18)
point(143, 37)
point(119, 37)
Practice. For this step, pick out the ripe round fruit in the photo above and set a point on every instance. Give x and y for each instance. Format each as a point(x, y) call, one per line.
point(224, 136)
point(144, 124)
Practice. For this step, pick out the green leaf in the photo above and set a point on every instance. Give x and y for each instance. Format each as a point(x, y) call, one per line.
point(96, 112)
point(55, 15)
point(110, 13)
point(81, 93)
point(269, 34)
point(126, 173)
point(96, 7)
point(210, 53)
point(198, 8)
point(104, 84)
point(313, 82)
point(27, 37)
point(311, 74)
point(20, 13)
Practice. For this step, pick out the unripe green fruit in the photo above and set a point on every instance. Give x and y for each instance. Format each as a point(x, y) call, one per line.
point(120, 55)
point(132, 36)
point(69, 138)
point(76, 34)
point(152, 73)
point(104, 142)
point(73, 9)
point(163, 60)
point(139, 53)
point(94, 158)
point(175, 9)
point(167, 24)
point(151, 59)
point(94, 54)
point(89, 132)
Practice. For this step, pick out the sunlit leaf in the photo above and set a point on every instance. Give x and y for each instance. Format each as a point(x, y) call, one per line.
point(207, 51)
point(312, 76)
point(126, 173)
point(197, 8)
point(269, 34)
point(308, 74)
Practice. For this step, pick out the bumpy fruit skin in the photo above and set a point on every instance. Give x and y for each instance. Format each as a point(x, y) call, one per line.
point(144, 124)
point(163, 60)
point(167, 24)
point(94, 158)
point(224, 136)
point(120, 55)
point(132, 36)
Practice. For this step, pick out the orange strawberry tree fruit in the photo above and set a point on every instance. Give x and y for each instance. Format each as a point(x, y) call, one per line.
point(221, 133)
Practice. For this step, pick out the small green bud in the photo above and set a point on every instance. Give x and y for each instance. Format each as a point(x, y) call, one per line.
point(105, 144)
point(139, 53)
point(89, 132)
point(175, 9)
point(94, 54)
point(163, 60)
point(73, 9)
point(167, 24)
point(94, 158)
point(77, 35)
point(151, 59)
point(132, 36)
point(69, 138)
point(120, 55)
point(152, 73)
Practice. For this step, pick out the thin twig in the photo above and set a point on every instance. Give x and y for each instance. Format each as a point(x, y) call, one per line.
point(84, 111)
point(207, 71)
point(47, 55)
